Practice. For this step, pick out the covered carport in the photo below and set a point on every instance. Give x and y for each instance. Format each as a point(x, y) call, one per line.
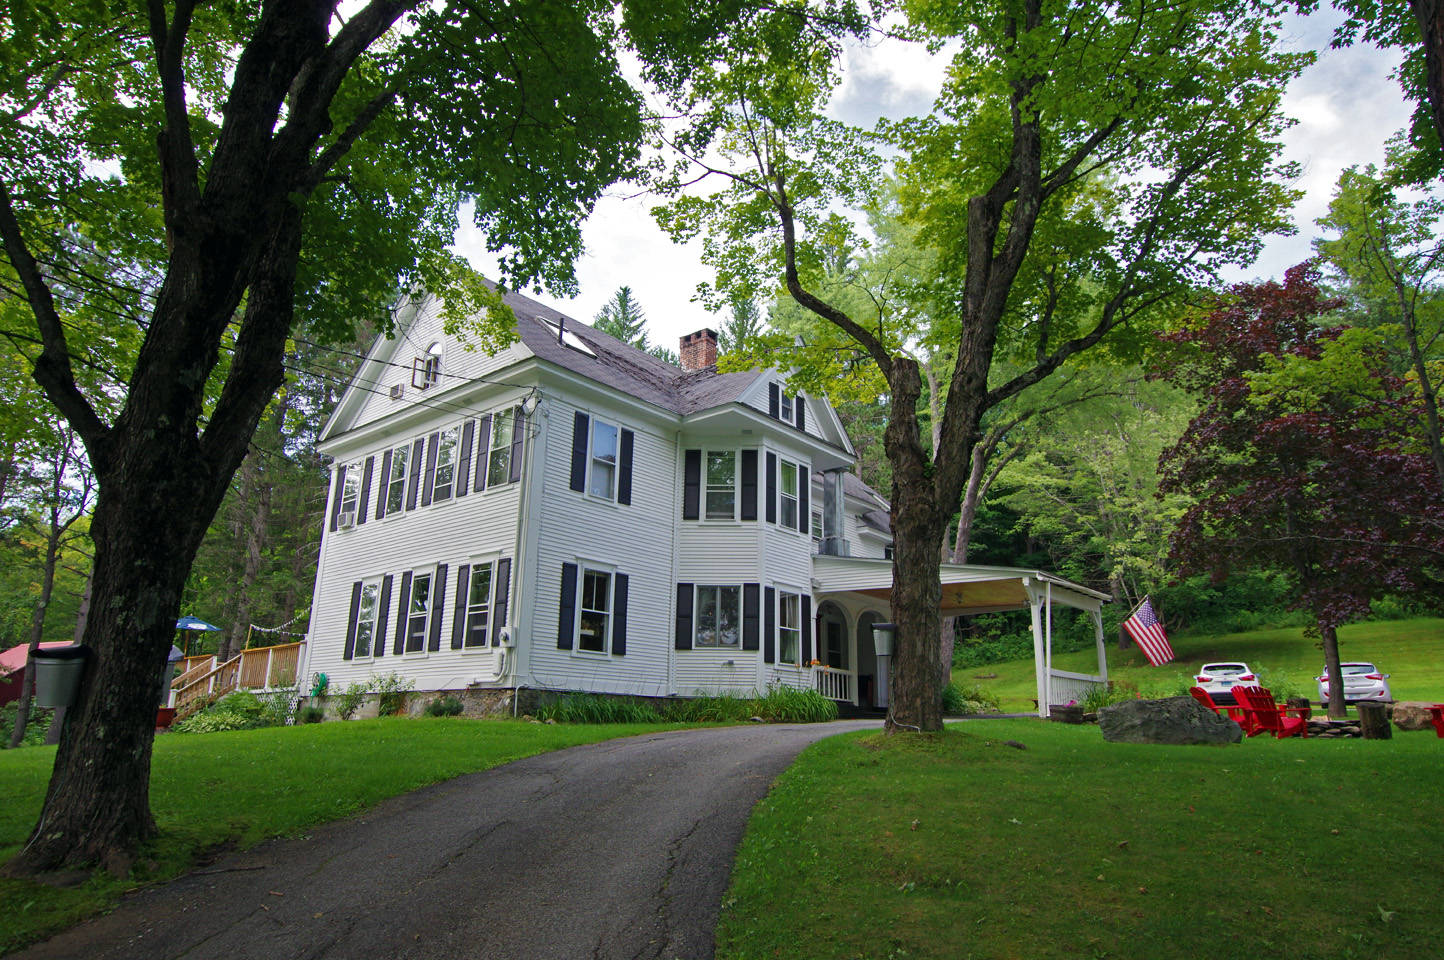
point(970, 590)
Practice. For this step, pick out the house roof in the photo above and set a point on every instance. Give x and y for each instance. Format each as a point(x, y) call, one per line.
point(967, 588)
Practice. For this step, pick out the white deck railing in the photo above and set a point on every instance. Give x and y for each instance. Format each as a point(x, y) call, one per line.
point(835, 684)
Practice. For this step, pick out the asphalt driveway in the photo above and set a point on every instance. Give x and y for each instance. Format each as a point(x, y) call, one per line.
point(619, 849)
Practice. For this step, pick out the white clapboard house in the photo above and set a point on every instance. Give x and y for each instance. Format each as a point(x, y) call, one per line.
point(573, 514)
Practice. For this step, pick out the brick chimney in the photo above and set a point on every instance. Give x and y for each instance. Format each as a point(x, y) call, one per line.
point(699, 350)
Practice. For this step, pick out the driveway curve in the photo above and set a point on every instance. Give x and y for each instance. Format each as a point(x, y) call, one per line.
point(619, 849)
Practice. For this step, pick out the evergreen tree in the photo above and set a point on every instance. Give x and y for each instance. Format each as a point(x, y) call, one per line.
point(622, 317)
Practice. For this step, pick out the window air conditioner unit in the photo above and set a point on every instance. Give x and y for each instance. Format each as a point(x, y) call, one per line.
point(346, 519)
point(398, 390)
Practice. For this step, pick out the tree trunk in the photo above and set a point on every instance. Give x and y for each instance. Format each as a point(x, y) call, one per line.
point(1429, 14)
point(1337, 709)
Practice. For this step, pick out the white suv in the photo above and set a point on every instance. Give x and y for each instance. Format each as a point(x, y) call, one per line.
point(1362, 681)
point(1219, 679)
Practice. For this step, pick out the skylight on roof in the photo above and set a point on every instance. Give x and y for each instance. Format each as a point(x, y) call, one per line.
point(566, 338)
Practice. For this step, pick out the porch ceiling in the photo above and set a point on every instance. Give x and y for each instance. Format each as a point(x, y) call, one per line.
point(965, 589)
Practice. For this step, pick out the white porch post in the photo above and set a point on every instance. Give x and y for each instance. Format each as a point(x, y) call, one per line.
point(1098, 639)
point(1048, 644)
point(1040, 667)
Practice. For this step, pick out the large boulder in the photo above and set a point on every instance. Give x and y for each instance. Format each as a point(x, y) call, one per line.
point(1174, 720)
point(1412, 715)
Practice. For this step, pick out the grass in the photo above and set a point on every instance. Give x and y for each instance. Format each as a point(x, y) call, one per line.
point(958, 846)
point(1408, 650)
point(236, 789)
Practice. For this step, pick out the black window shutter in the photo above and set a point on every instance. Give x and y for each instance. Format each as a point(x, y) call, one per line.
point(774, 401)
point(691, 484)
point(807, 628)
point(581, 423)
point(804, 494)
point(772, 488)
point(501, 590)
point(458, 619)
point(801, 412)
point(351, 621)
point(431, 444)
point(624, 469)
point(518, 437)
point(684, 616)
point(749, 485)
point(403, 600)
point(769, 626)
point(463, 465)
point(418, 450)
point(751, 599)
point(385, 482)
point(361, 502)
point(483, 445)
point(383, 612)
point(438, 606)
point(339, 491)
point(567, 613)
point(619, 615)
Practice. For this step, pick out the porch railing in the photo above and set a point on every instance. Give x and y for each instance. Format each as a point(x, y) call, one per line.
point(1065, 687)
point(835, 684)
point(259, 668)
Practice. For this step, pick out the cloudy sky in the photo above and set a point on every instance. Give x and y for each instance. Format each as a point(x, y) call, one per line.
point(1345, 104)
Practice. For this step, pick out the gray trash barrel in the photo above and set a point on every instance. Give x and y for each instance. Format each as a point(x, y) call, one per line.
point(57, 675)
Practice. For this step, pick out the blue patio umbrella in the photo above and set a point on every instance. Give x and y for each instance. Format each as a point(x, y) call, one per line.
point(189, 622)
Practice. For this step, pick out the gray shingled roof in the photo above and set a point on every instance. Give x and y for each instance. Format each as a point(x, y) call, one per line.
point(623, 367)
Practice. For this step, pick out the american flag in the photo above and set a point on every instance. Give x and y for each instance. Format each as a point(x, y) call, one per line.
point(1148, 633)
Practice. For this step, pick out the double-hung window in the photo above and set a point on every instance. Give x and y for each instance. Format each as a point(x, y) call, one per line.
point(351, 489)
point(595, 611)
point(786, 407)
point(366, 618)
point(721, 485)
point(789, 627)
point(418, 612)
point(817, 526)
point(602, 466)
point(445, 465)
point(498, 464)
point(718, 616)
point(478, 605)
point(396, 486)
point(787, 494)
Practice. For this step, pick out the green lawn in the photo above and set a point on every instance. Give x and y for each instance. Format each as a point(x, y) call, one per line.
point(220, 789)
point(958, 846)
point(1410, 651)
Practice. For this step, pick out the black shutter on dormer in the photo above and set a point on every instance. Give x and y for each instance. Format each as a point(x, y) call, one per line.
point(624, 469)
point(751, 624)
point(403, 600)
point(772, 488)
point(365, 497)
point(619, 615)
point(774, 401)
point(691, 484)
point(483, 444)
point(431, 445)
point(339, 491)
point(807, 626)
point(518, 437)
point(385, 482)
point(463, 465)
point(581, 423)
point(502, 594)
point(683, 639)
point(749, 485)
point(769, 625)
point(804, 495)
point(418, 451)
point(383, 611)
point(567, 611)
point(801, 412)
point(351, 621)
point(458, 617)
point(438, 606)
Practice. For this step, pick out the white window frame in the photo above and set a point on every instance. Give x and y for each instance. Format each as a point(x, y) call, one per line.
point(698, 642)
point(430, 575)
point(783, 500)
point(594, 461)
point(351, 487)
point(708, 487)
point(608, 613)
point(426, 369)
point(498, 447)
point(371, 588)
point(816, 526)
point(399, 478)
point(783, 596)
point(785, 406)
point(447, 445)
point(484, 608)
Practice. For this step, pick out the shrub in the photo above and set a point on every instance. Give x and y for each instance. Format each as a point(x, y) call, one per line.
point(781, 704)
point(310, 715)
point(706, 708)
point(594, 708)
point(279, 706)
point(348, 701)
point(36, 727)
point(444, 707)
point(241, 710)
point(392, 689)
point(974, 699)
point(1283, 686)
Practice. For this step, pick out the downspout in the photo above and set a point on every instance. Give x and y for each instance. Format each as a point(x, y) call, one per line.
point(507, 664)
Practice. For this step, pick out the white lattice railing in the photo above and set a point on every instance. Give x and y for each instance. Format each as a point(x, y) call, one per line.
point(835, 684)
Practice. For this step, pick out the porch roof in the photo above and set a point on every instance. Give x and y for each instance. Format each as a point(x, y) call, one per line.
point(967, 589)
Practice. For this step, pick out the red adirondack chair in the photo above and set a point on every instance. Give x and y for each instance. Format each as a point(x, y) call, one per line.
point(1436, 717)
point(1268, 715)
point(1237, 714)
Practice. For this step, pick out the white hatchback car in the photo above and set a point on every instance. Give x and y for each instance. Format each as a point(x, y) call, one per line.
point(1362, 681)
point(1219, 679)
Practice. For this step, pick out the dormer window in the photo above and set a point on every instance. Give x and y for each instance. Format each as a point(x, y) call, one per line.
point(426, 369)
point(787, 408)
